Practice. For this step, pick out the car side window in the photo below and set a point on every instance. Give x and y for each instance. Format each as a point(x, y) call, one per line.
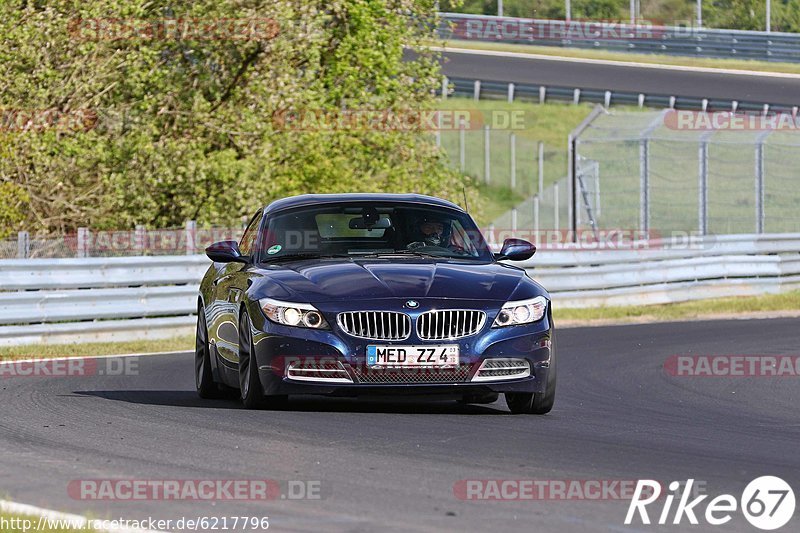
point(247, 244)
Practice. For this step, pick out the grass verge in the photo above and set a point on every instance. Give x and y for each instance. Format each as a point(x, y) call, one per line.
point(740, 306)
point(34, 351)
point(733, 64)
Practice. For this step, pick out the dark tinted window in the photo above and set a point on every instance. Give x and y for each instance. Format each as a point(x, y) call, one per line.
point(357, 229)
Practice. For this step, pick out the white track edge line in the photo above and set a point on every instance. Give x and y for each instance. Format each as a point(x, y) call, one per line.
point(609, 62)
point(74, 520)
point(67, 357)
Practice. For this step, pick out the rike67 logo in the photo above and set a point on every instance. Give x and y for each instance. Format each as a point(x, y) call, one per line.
point(767, 502)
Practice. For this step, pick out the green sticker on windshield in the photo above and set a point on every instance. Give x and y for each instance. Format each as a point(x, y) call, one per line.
point(274, 249)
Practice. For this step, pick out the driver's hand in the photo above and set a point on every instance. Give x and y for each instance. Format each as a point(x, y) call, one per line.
point(415, 245)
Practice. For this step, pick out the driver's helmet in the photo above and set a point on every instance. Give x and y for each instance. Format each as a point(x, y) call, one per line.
point(434, 231)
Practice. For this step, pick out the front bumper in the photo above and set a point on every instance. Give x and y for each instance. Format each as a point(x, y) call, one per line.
point(277, 346)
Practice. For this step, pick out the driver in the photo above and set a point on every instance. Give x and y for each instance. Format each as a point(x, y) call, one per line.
point(431, 233)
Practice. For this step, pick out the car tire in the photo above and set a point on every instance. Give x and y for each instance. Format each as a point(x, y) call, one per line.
point(536, 403)
point(204, 378)
point(251, 391)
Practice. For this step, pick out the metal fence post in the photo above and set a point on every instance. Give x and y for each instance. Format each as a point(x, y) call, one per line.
point(572, 167)
point(513, 144)
point(702, 187)
point(476, 90)
point(23, 245)
point(83, 242)
point(445, 86)
point(462, 150)
point(572, 172)
point(644, 173)
point(536, 219)
point(487, 172)
point(555, 207)
point(759, 185)
point(510, 93)
point(644, 186)
point(541, 168)
point(191, 234)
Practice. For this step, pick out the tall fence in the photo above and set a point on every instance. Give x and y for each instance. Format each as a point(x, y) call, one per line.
point(499, 157)
point(686, 40)
point(680, 171)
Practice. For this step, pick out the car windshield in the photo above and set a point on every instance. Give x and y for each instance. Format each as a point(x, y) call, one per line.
point(373, 230)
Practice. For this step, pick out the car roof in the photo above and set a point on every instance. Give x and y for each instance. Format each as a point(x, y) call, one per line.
point(316, 199)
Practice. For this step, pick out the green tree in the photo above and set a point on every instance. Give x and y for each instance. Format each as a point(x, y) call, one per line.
point(186, 128)
point(13, 201)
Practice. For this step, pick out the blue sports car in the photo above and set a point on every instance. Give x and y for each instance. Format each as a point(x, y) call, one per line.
point(358, 294)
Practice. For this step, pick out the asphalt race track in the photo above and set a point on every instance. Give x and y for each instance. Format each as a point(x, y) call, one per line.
point(392, 465)
point(640, 79)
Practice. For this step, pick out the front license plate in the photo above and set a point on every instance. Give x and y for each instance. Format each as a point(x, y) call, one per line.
point(413, 356)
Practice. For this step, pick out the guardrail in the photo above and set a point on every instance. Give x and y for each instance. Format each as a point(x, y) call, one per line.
point(93, 299)
point(622, 37)
point(502, 90)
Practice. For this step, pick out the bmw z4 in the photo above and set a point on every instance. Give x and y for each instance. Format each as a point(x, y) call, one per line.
point(365, 294)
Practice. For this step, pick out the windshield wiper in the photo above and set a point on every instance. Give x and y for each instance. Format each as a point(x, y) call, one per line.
point(401, 252)
point(301, 256)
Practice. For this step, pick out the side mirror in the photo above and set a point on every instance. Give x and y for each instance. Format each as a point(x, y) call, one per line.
point(516, 250)
point(225, 252)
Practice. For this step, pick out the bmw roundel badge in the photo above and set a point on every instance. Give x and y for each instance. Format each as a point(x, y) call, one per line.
point(412, 304)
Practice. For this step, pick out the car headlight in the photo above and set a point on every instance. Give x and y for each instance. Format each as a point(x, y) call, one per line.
point(521, 312)
point(293, 314)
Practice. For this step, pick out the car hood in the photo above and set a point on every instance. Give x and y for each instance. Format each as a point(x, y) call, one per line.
point(358, 279)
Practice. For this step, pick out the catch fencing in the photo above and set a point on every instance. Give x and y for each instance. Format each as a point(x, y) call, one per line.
point(680, 171)
point(126, 298)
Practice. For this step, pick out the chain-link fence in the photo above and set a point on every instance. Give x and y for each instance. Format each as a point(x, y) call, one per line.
point(683, 171)
point(500, 158)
